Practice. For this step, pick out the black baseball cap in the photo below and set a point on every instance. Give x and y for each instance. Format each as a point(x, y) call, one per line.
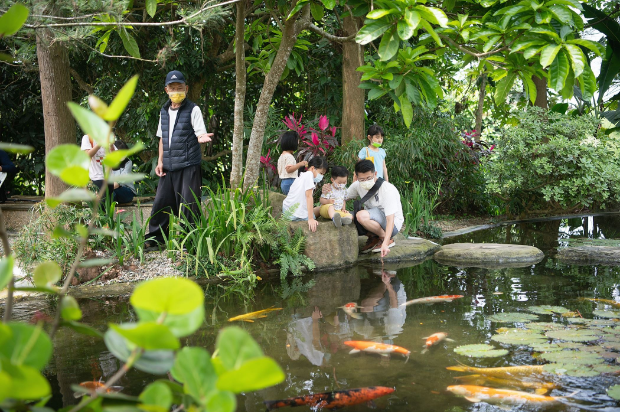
point(174, 76)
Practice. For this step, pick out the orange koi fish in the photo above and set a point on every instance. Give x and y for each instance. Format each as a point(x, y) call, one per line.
point(97, 386)
point(500, 396)
point(605, 301)
point(500, 372)
point(375, 347)
point(350, 309)
point(432, 299)
point(333, 400)
point(249, 317)
point(434, 339)
point(539, 386)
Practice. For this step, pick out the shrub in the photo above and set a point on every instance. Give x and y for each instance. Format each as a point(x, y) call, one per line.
point(554, 160)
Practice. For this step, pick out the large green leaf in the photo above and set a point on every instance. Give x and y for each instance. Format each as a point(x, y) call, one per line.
point(176, 296)
point(148, 335)
point(235, 347)
point(413, 18)
point(609, 70)
point(5, 386)
point(46, 274)
point(156, 361)
point(27, 345)
point(548, 54)
point(157, 394)
point(404, 29)
point(577, 58)
point(151, 7)
point(317, 11)
point(433, 15)
point(114, 159)
point(70, 196)
point(329, 4)
point(16, 148)
point(253, 375)
point(92, 125)
point(70, 163)
point(193, 368)
point(26, 382)
point(372, 31)
point(121, 100)
point(6, 270)
point(601, 22)
point(558, 72)
point(221, 401)
point(129, 42)
point(587, 81)
point(69, 309)
point(389, 45)
point(530, 87)
point(503, 87)
point(179, 325)
point(429, 29)
point(561, 13)
point(378, 13)
point(593, 46)
point(406, 108)
point(13, 19)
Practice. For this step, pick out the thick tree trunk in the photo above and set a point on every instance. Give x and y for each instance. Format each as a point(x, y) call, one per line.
point(353, 98)
point(292, 28)
point(480, 110)
point(541, 92)
point(59, 126)
point(236, 173)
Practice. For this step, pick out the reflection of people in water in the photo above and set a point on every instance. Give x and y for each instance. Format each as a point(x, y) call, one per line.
point(304, 338)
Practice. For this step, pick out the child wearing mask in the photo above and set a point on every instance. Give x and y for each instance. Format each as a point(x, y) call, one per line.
point(287, 165)
point(374, 152)
point(333, 203)
point(300, 193)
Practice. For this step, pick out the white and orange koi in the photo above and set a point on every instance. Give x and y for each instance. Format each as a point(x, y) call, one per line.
point(383, 349)
point(434, 339)
point(503, 372)
point(539, 386)
point(432, 299)
point(350, 309)
point(500, 396)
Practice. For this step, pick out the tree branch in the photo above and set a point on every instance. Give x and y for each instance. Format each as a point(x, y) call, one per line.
point(470, 52)
point(8, 308)
point(83, 85)
point(330, 36)
point(184, 20)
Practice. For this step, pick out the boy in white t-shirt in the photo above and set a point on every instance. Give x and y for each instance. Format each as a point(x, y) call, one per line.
point(288, 167)
point(95, 170)
point(300, 194)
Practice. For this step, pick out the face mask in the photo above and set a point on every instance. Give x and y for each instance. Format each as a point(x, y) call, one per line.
point(318, 178)
point(375, 144)
point(176, 97)
point(340, 185)
point(367, 185)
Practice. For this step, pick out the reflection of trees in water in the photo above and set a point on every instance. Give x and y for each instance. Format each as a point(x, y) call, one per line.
point(608, 226)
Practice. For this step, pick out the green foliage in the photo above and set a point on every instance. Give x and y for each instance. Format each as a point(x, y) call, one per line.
point(289, 251)
point(555, 159)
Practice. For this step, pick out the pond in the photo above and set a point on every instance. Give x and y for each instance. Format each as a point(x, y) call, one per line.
point(307, 336)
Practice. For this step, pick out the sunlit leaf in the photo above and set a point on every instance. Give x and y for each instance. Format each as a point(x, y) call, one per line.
point(577, 58)
point(27, 345)
point(389, 45)
point(13, 19)
point(69, 309)
point(114, 159)
point(92, 125)
point(221, 401)
point(194, 370)
point(27, 383)
point(47, 274)
point(120, 102)
point(69, 163)
point(16, 148)
point(548, 53)
point(372, 31)
point(176, 296)
point(156, 361)
point(253, 375)
point(130, 43)
point(157, 394)
point(179, 325)
point(519, 338)
point(235, 347)
point(151, 7)
point(148, 335)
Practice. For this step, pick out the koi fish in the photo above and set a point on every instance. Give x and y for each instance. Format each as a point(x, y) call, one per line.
point(432, 299)
point(249, 317)
point(500, 372)
point(434, 339)
point(350, 309)
point(540, 387)
point(375, 347)
point(605, 301)
point(97, 386)
point(500, 396)
point(333, 400)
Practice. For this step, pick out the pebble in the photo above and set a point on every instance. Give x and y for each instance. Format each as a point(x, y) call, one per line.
point(156, 265)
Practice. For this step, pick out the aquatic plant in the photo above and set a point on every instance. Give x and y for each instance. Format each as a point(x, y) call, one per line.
point(547, 310)
point(480, 351)
point(512, 317)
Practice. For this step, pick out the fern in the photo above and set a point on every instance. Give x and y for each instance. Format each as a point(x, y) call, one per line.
point(292, 260)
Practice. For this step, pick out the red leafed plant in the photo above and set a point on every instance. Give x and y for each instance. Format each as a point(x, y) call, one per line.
point(314, 142)
point(271, 172)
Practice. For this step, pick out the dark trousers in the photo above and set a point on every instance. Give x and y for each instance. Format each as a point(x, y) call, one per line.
point(107, 198)
point(173, 189)
point(6, 187)
point(123, 195)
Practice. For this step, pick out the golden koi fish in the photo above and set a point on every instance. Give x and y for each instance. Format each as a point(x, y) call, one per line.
point(500, 372)
point(500, 396)
point(432, 299)
point(605, 301)
point(539, 386)
point(249, 317)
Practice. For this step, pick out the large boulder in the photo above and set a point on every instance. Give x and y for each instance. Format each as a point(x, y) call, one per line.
point(330, 247)
point(489, 255)
point(590, 255)
point(276, 200)
point(404, 250)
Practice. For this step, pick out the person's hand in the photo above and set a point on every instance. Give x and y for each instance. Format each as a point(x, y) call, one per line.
point(304, 164)
point(327, 188)
point(316, 314)
point(116, 185)
point(159, 169)
point(386, 279)
point(313, 224)
point(331, 201)
point(205, 138)
point(384, 249)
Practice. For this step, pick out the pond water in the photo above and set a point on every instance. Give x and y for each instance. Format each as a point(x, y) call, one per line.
point(306, 337)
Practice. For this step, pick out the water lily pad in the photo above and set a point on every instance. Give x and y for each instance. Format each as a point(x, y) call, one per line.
point(606, 368)
point(480, 351)
point(544, 326)
point(581, 335)
point(554, 347)
point(548, 310)
point(580, 371)
point(510, 330)
point(512, 317)
point(607, 314)
point(611, 345)
point(614, 392)
point(573, 357)
point(519, 338)
point(581, 321)
point(602, 323)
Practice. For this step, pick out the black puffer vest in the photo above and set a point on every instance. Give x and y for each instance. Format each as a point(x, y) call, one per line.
point(185, 149)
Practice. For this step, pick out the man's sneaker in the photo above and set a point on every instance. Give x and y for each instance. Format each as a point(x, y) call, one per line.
point(370, 244)
point(337, 220)
point(377, 249)
point(347, 220)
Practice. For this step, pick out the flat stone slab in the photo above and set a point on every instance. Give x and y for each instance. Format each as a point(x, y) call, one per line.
point(405, 250)
point(605, 255)
point(488, 255)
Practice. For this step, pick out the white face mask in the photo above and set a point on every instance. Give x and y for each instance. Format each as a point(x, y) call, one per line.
point(318, 178)
point(340, 185)
point(367, 185)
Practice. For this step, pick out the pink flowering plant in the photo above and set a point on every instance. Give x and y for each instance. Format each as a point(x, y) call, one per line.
point(478, 149)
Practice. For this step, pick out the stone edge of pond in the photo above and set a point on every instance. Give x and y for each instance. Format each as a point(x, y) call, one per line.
point(590, 255)
point(488, 255)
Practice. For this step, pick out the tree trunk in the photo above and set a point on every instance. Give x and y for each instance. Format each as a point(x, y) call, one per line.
point(541, 92)
point(59, 126)
point(292, 28)
point(353, 98)
point(236, 173)
point(480, 110)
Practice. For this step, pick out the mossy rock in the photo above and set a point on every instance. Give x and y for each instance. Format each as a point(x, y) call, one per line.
point(488, 255)
point(590, 255)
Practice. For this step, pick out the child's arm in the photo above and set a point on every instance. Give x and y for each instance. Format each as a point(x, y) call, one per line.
point(385, 174)
point(326, 201)
point(312, 223)
point(292, 168)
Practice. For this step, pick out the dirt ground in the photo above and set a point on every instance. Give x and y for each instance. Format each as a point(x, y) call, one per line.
point(448, 225)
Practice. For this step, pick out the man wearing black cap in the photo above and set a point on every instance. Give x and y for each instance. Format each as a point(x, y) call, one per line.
point(181, 130)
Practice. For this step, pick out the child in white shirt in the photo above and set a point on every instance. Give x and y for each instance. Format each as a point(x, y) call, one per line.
point(333, 203)
point(300, 193)
point(287, 165)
